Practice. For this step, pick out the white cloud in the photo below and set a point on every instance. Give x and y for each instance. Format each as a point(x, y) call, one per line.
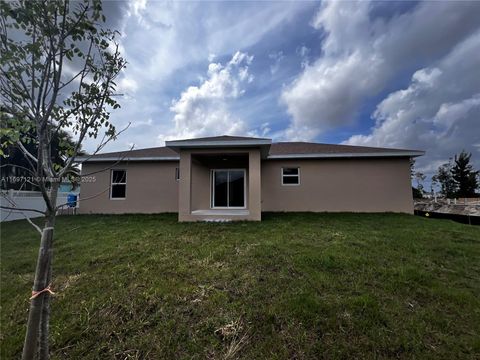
point(438, 112)
point(203, 110)
point(277, 57)
point(138, 6)
point(161, 40)
point(173, 35)
point(141, 123)
point(127, 85)
point(361, 54)
point(303, 52)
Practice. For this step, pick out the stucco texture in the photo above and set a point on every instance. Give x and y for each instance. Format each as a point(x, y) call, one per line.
point(151, 188)
point(333, 185)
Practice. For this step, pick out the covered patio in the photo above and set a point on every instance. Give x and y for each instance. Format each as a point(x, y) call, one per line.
point(219, 185)
point(220, 178)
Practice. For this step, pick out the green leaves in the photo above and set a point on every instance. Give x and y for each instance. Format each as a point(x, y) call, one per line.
point(42, 98)
point(12, 130)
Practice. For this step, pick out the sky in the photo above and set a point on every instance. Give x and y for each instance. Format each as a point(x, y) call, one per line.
point(388, 74)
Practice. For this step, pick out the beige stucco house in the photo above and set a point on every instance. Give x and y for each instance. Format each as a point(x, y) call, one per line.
point(238, 178)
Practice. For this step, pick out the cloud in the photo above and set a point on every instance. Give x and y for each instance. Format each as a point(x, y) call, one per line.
point(303, 52)
point(211, 57)
point(167, 36)
point(276, 57)
point(167, 45)
point(361, 54)
point(438, 112)
point(127, 85)
point(141, 123)
point(203, 110)
point(138, 6)
point(401, 63)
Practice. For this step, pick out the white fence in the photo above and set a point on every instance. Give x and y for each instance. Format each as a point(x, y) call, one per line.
point(25, 200)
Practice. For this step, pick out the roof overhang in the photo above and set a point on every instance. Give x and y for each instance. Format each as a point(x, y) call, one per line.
point(82, 159)
point(263, 144)
point(264, 148)
point(409, 153)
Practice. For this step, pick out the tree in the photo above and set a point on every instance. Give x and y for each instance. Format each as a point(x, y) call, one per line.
point(14, 163)
point(420, 178)
point(464, 176)
point(58, 69)
point(412, 167)
point(417, 192)
point(445, 179)
point(433, 184)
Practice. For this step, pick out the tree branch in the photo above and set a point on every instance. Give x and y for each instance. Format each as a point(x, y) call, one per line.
point(27, 154)
point(21, 209)
point(11, 201)
point(87, 198)
point(102, 144)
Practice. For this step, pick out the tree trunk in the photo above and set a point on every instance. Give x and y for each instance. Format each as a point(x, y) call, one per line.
point(40, 283)
point(37, 315)
point(43, 348)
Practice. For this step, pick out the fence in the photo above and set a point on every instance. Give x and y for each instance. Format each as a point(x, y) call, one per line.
point(455, 201)
point(25, 200)
point(467, 201)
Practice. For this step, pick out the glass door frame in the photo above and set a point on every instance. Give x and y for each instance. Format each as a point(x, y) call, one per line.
point(212, 190)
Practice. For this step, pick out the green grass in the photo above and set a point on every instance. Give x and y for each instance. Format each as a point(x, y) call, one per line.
point(295, 286)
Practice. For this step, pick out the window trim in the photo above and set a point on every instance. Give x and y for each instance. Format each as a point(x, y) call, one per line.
point(282, 175)
point(123, 183)
point(212, 190)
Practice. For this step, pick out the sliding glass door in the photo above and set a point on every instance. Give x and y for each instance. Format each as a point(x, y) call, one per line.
point(228, 188)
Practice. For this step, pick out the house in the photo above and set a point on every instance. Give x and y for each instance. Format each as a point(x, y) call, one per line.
point(238, 178)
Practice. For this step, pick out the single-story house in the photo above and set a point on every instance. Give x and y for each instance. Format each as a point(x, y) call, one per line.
point(238, 178)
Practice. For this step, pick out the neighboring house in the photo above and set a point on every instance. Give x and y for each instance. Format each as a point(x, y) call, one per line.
point(238, 178)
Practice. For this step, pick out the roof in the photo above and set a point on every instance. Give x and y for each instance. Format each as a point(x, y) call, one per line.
point(156, 153)
point(223, 141)
point(221, 138)
point(280, 150)
point(297, 149)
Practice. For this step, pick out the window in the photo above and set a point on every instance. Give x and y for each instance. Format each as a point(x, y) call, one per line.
point(118, 189)
point(290, 176)
point(177, 174)
point(228, 188)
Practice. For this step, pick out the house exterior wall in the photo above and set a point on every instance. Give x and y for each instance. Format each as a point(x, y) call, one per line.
point(356, 185)
point(254, 194)
point(151, 188)
point(200, 186)
point(351, 185)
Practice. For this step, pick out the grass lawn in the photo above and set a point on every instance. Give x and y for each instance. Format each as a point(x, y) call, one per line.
point(295, 286)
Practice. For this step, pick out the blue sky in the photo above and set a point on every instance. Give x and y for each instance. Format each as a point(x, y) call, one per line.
point(393, 74)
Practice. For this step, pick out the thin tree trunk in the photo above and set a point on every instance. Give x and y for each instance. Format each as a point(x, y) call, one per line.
point(37, 315)
point(43, 348)
point(40, 283)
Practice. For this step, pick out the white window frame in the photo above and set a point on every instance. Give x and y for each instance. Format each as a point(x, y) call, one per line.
point(122, 183)
point(282, 175)
point(212, 190)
